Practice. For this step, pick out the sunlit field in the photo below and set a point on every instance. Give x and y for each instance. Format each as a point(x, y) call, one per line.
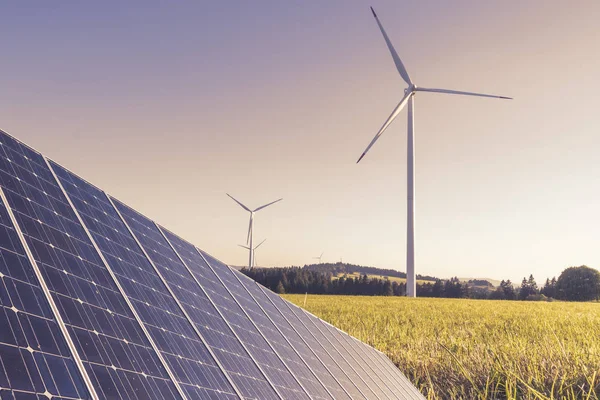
point(457, 349)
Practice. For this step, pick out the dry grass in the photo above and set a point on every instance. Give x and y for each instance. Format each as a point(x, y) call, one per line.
point(463, 349)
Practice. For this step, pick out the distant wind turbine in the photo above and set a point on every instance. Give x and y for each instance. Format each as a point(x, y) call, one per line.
point(319, 258)
point(251, 225)
point(408, 98)
point(253, 251)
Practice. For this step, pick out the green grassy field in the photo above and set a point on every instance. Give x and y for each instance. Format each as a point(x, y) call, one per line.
point(463, 349)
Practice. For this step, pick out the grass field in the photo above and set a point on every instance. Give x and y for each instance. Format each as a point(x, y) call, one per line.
point(463, 349)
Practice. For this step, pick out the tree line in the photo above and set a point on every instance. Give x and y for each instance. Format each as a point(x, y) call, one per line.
point(574, 284)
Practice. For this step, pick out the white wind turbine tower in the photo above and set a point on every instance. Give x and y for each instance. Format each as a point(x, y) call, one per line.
point(253, 251)
point(251, 225)
point(319, 258)
point(409, 94)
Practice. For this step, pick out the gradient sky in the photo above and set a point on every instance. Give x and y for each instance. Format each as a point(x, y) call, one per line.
point(167, 107)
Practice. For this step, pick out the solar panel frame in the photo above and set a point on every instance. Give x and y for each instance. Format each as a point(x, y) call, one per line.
point(54, 309)
point(117, 283)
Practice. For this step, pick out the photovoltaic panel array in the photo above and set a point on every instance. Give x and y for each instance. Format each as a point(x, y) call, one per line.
point(97, 301)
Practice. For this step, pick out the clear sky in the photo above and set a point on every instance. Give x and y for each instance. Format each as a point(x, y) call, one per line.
point(167, 106)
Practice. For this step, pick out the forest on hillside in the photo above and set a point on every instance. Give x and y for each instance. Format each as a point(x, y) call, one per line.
point(574, 284)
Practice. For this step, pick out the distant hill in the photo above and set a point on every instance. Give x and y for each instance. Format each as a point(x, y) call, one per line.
point(494, 282)
point(340, 269)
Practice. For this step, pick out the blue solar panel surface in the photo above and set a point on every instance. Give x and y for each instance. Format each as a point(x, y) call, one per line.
point(314, 366)
point(234, 357)
point(358, 360)
point(99, 302)
point(34, 357)
point(280, 349)
point(317, 343)
point(182, 285)
point(95, 314)
point(186, 356)
point(341, 356)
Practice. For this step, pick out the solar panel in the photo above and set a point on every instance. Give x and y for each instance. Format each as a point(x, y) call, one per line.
point(357, 358)
point(34, 356)
point(273, 337)
point(97, 301)
point(227, 345)
point(314, 365)
point(343, 358)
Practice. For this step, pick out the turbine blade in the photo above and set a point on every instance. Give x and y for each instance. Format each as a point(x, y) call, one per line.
point(397, 61)
point(267, 205)
point(420, 89)
point(387, 123)
point(246, 247)
point(243, 206)
point(259, 244)
point(321, 255)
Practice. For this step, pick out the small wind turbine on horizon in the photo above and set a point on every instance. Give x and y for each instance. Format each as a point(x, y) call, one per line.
point(253, 251)
point(408, 98)
point(251, 226)
point(319, 258)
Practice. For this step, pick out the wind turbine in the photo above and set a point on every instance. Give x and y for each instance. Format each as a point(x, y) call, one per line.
point(319, 258)
point(408, 98)
point(253, 251)
point(251, 225)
